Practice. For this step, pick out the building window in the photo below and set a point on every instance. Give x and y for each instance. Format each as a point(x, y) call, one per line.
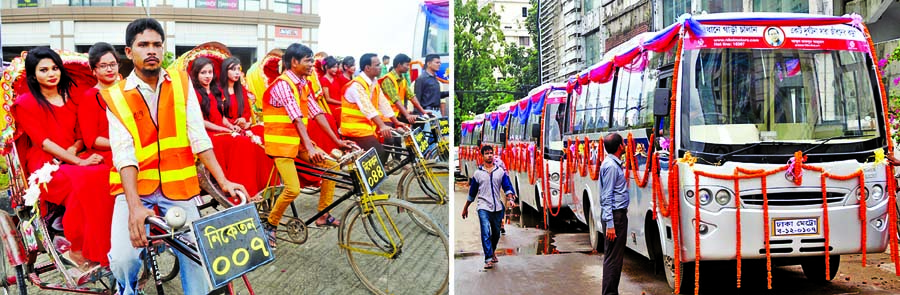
point(781, 6)
point(128, 3)
point(293, 6)
point(524, 41)
point(592, 53)
point(716, 6)
point(673, 9)
point(524, 11)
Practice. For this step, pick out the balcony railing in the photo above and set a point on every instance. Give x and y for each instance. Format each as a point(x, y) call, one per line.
point(571, 5)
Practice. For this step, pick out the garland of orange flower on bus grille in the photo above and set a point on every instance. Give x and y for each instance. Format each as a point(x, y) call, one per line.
point(673, 168)
point(892, 193)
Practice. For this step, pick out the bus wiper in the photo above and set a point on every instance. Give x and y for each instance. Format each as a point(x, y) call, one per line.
point(826, 140)
point(726, 155)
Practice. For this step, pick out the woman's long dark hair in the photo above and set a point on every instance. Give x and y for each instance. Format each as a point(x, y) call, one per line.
point(238, 89)
point(65, 81)
point(196, 66)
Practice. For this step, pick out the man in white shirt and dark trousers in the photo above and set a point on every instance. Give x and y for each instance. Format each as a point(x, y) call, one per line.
point(488, 184)
point(614, 208)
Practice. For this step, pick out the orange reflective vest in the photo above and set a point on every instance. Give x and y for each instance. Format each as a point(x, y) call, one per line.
point(317, 92)
point(281, 136)
point(353, 122)
point(162, 149)
point(400, 83)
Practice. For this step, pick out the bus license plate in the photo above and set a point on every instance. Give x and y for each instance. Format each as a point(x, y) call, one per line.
point(795, 227)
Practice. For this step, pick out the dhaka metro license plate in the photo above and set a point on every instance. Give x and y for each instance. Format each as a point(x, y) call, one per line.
point(795, 227)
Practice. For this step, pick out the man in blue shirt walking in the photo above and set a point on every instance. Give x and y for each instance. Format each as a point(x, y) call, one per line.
point(614, 208)
point(487, 185)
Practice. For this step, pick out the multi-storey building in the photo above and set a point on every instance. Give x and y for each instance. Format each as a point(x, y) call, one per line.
point(250, 28)
point(513, 15)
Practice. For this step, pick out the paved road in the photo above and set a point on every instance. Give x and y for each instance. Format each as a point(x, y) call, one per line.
point(559, 261)
point(318, 266)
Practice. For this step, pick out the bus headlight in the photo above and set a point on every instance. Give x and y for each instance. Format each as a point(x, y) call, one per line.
point(705, 197)
point(859, 193)
point(554, 177)
point(723, 197)
point(877, 192)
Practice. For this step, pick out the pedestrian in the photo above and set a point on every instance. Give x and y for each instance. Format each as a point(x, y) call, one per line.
point(156, 106)
point(614, 208)
point(488, 185)
point(427, 87)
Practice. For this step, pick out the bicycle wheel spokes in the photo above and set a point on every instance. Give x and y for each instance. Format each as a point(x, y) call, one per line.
point(415, 262)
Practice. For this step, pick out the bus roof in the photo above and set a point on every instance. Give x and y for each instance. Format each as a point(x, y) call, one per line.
point(546, 86)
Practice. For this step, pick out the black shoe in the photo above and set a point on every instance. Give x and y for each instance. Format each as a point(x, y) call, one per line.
point(270, 234)
point(502, 231)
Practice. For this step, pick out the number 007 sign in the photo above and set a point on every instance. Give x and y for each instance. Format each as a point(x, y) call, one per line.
point(231, 243)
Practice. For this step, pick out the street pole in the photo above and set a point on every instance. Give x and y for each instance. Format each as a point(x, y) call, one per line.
point(540, 46)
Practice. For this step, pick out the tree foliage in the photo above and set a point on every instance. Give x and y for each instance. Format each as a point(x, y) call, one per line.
point(480, 52)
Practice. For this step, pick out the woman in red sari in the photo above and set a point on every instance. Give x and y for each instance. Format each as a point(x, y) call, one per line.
point(231, 145)
point(332, 86)
point(47, 114)
point(236, 108)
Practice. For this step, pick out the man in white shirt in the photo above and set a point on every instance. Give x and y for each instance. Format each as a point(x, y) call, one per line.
point(157, 169)
point(365, 111)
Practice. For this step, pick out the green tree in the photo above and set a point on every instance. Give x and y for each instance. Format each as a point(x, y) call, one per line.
point(476, 35)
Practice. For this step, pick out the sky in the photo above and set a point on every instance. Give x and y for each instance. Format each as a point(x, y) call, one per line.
point(356, 27)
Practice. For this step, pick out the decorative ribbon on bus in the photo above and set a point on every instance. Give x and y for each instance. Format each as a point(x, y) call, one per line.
point(504, 115)
point(231, 244)
point(524, 108)
point(828, 37)
point(495, 119)
point(537, 101)
point(514, 111)
point(464, 128)
point(437, 12)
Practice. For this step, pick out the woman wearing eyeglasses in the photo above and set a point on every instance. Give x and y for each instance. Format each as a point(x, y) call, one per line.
point(47, 115)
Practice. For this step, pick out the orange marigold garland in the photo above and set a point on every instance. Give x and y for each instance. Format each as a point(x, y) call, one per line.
point(737, 203)
point(766, 233)
point(862, 215)
point(673, 168)
point(826, 227)
point(696, 233)
point(892, 217)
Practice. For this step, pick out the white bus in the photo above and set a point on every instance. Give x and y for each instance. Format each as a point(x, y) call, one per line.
point(750, 91)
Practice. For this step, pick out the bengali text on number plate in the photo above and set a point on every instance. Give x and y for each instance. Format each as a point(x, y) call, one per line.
point(795, 226)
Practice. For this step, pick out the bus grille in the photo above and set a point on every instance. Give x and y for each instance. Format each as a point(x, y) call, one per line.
point(792, 198)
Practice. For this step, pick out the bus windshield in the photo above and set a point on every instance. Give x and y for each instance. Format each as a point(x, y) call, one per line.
point(553, 122)
point(436, 40)
point(733, 97)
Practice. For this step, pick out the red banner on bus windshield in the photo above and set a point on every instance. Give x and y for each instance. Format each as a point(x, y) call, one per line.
point(832, 37)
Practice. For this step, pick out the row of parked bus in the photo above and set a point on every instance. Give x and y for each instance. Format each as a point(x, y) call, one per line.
point(750, 136)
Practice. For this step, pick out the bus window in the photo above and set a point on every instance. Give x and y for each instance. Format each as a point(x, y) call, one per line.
point(643, 117)
point(590, 115)
point(580, 105)
point(632, 100)
point(604, 104)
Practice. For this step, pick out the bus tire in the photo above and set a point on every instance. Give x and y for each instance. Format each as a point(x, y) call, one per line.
point(654, 244)
point(687, 275)
point(596, 238)
point(814, 267)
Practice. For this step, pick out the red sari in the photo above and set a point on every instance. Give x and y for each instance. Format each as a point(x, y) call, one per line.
point(242, 161)
point(82, 190)
point(334, 91)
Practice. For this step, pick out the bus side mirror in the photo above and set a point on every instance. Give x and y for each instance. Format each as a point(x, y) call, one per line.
point(661, 101)
point(536, 130)
point(503, 136)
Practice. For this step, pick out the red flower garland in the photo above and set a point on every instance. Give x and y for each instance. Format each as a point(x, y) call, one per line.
point(737, 202)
